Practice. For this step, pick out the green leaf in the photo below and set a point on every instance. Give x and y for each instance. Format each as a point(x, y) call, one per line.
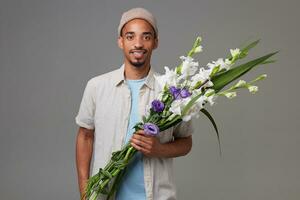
point(268, 62)
point(144, 119)
point(206, 113)
point(223, 79)
point(250, 46)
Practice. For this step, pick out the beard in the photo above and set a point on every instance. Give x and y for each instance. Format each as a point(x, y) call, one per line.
point(137, 64)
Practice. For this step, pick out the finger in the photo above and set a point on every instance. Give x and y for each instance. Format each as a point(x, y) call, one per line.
point(145, 148)
point(143, 134)
point(136, 146)
point(144, 139)
point(141, 149)
point(141, 143)
point(140, 132)
point(139, 136)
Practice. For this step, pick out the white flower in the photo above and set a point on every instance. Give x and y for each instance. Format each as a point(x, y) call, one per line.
point(147, 110)
point(230, 95)
point(211, 99)
point(253, 89)
point(200, 102)
point(211, 65)
point(241, 83)
point(202, 76)
point(189, 67)
point(210, 96)
point(220, 62)
point(193, 111)
point(178, 105)
point(169, 78)
point(208, 84)
point(198, 49)
point(160, 96)
point(235, 52)
point(228, 62)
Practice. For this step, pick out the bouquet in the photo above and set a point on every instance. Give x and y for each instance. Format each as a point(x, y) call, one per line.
point(185, 91)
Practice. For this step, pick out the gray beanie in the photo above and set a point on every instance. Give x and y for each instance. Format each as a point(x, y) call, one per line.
point(137, 13)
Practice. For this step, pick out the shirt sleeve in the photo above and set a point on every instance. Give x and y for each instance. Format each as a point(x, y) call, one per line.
point(183, 129)
point(85, 116)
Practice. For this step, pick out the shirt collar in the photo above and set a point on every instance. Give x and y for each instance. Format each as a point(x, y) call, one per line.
point(120, 77)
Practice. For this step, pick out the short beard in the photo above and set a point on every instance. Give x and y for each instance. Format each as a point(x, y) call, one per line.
point(137, 64)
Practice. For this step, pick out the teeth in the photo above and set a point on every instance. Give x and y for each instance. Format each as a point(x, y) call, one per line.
point(138, 53)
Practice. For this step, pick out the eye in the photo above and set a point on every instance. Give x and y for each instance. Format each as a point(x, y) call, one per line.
point(129, 37)
point(147, 37)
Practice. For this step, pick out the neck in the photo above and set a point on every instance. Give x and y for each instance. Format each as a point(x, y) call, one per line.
point(134, 73)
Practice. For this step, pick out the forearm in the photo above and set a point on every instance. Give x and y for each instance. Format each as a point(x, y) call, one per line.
point(176, 148)
point(84, 150)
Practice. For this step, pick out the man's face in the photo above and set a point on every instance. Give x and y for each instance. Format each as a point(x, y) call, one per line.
point(137, 41)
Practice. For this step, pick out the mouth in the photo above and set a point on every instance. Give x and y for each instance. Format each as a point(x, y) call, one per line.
point(138, 53)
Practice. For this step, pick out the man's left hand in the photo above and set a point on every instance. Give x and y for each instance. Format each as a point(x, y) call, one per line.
point(149, 145)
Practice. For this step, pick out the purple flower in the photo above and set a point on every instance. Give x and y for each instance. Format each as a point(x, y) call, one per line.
point(184, 93)
point(151, 129)
point(179, 93)
point(158, 106)
point(175, 92)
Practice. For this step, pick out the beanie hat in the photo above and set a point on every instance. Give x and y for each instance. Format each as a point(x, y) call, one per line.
point(137, 13)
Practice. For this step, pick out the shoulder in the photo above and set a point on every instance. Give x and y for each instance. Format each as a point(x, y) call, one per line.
point(101, 79)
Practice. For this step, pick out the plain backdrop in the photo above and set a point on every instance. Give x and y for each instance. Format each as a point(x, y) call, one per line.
point(50, 49)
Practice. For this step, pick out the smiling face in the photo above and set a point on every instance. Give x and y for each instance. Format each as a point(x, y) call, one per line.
point(137, 41)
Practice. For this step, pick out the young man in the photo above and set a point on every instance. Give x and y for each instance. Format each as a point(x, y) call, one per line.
point(114, 102)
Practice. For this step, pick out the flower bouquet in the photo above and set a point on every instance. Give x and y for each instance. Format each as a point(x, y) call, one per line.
point(184, 92)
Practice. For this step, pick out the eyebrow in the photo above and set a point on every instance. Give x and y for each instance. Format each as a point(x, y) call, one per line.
point(144, 33)
point(147, 33)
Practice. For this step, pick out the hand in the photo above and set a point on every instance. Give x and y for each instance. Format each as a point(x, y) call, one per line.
point(148, 145)
point(82, 187)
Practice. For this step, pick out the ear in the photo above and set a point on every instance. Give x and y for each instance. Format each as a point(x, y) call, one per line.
point(155, 42)
point(120, 42)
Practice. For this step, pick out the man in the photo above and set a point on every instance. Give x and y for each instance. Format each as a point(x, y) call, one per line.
point(111, 105)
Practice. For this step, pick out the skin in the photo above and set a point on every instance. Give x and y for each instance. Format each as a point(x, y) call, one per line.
point(137, 36)
point(84, 150)
point(137, 41)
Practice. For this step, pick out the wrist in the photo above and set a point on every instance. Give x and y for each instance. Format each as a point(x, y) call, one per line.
point(162, 150)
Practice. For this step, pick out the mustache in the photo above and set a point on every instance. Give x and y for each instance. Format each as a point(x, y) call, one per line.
point(134, 50)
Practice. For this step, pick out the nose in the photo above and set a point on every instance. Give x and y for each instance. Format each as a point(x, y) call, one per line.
point(138, 43)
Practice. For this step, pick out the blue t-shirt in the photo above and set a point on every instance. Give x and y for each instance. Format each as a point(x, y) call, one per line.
point(132, 186)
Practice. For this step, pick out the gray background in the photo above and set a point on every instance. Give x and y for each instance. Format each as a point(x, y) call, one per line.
point(49, 49)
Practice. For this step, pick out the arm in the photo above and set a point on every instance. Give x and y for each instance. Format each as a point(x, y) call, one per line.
point(150, 146)
point(178, 147)
point(84, 150)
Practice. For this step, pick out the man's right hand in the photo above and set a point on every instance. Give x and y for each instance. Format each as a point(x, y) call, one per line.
point(84, 151)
